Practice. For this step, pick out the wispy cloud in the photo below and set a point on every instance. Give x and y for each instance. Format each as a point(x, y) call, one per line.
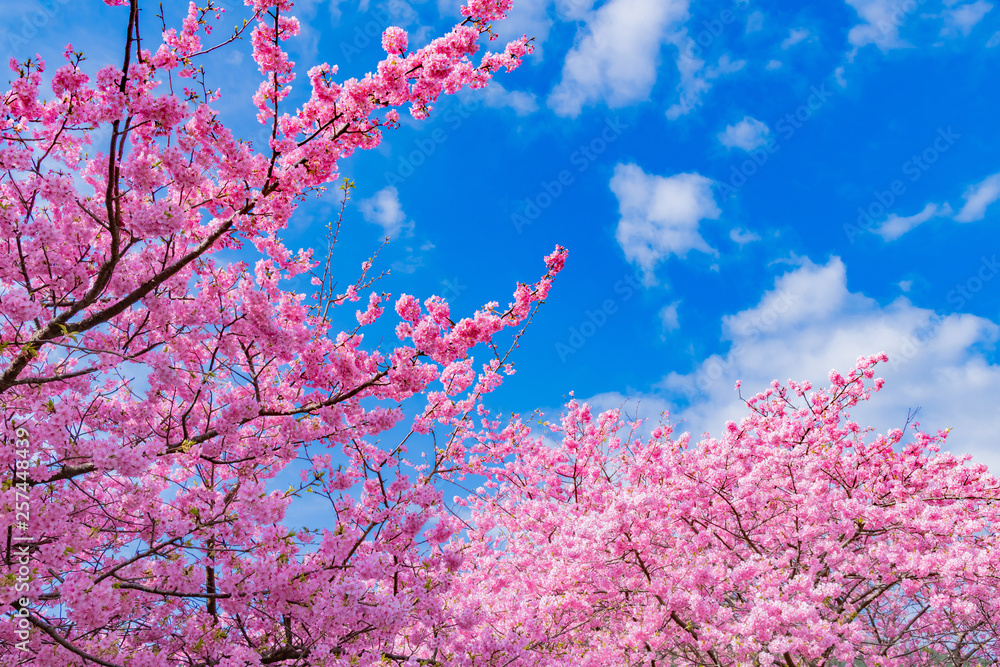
point(742, 236)
point(962, 19)
point(978, 198)
point(895, 225)
point(695, 77)
point(795, 36)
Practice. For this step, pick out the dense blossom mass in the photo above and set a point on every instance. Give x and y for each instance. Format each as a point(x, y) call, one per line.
point(796, 539)
point(152, 391)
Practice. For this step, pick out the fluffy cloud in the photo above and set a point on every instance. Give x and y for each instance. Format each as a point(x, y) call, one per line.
point(617, 54)
point(660, 215)
point(669, 319)
point(747, 134)
point(528, 17)
point(498, 97)
point(811, 323)
point(385, 211)
point(882, 19)
point(978, 198)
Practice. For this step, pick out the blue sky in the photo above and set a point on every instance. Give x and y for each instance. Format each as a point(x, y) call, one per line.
point(748, 190)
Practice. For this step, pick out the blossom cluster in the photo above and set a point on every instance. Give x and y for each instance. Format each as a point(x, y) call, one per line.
point(167, 387)
point(796, 538)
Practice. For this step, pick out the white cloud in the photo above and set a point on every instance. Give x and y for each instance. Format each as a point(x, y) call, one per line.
point(660, 215)
point(960, 20)
point(895, 226)
point(692, 82)
point(668, 317)
point(810, 323)
point(725, 66)
point(385, 211)
point(994, 40)
point(307, 42)
point(882, 20)
point(498, 97)
point(747, 134)
point(755, 21)
point(695, 77)
point(978, 198)
point(528, 17)
point(573, 10)
point(412, 262)
point(396, 12)
point(905, 285)
point(742, 236)
point(335, 13)
point(795, 36)
point(838, 74)
point(773, 64)
point(617, 54)
point(521, 102)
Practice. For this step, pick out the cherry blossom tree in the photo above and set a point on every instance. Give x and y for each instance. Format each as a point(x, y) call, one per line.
point(797, 539)
point(152, 387)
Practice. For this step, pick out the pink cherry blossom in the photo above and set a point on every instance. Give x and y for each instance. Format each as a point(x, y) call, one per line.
point(162, 389)
point(795, 539)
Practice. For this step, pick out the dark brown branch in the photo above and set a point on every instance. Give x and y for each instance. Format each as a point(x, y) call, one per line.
point(62, 641)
